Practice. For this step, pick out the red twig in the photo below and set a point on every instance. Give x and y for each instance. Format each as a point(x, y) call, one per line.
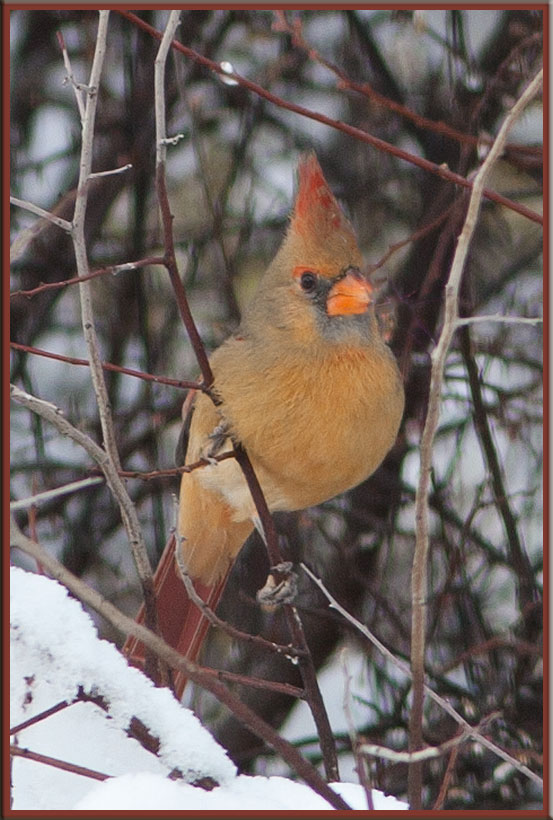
point(138, 374)
point(111, 269)
point(173, 471)
point(446, 782)
point(517, 646)
point(271, 537)
point(172, 269)
point(314, 697)
point(306, 666)
point(439, 170)
point(41, 716)
point(414, 237)
point(17, 751)
point(257, 683)
point(295, 30)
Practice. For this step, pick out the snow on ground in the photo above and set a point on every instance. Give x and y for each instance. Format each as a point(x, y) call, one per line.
point(148, 791)
point(54, 651)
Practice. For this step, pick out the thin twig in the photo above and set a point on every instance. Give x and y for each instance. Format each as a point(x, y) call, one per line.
point(428, 752)
point(448, 775)
point(35, 209)
point(360, 762)
point(116, 368)
point(110, 173)
point(47, 495)
point(58, 707)
point(438, 358)
point(519, 560)
point(265, 519)
point(306, 666)
point(18, 751)
point(314, 697)
point(257, 683)
point(79, 96)
point(414, 237)
point(171, 657)
point(495, 317)
point(54, 415)
point(159, 85)
point(176, 471)
point(111, 269)
point(51, 413)
point(79, 242)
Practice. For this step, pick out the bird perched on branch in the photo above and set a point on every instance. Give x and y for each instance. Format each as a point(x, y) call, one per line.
point(306, 385)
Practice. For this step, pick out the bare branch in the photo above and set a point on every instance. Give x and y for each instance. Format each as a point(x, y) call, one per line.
point(79, 244)
point(265, 519)
point(496, 318)
point(113, 171)
point(428, 752)
point(360, 766)
point(77, 88)
point(110, 270)
point(54, 415)
point(18, 751)
point(439, 355)
point(159, 86)
point(58, 707)
point(39, 498)
point(35, 209)
point(116, 368)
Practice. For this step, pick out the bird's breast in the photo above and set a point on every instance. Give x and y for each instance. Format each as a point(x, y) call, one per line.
point(313, 428)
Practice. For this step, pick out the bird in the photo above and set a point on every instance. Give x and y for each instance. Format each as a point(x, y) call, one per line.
point(306, 385)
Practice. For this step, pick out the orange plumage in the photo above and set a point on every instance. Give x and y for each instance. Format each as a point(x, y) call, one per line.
point(306, 385)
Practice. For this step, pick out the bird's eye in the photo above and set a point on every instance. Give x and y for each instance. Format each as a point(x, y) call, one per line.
point(308, 281)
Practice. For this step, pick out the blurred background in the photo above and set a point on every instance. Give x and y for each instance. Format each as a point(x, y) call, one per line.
point(231, 185)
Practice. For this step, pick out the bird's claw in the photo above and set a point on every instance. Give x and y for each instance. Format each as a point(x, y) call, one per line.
point(281, 587)
point(217, 437)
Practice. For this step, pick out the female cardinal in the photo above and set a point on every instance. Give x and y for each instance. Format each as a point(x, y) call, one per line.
point(306, 385)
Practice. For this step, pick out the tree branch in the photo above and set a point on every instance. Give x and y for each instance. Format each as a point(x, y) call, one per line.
point(439, 355)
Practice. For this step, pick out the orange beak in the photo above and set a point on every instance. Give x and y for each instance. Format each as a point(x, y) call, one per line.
point(351, 294)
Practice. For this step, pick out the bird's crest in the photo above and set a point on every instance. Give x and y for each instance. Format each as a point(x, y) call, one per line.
point(316, 210)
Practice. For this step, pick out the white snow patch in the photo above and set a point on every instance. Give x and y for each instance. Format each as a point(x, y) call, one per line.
point(55, 651)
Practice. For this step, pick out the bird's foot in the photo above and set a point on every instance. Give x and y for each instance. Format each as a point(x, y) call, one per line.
point(217, 438)
point(281, 587)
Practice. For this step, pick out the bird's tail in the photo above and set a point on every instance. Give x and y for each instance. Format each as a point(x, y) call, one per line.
point(182, 624)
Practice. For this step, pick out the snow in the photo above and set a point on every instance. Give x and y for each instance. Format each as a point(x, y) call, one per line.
point(147, 791)
point(55, 651)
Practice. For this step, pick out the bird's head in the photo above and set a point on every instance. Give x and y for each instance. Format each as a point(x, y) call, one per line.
point(314, 288)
